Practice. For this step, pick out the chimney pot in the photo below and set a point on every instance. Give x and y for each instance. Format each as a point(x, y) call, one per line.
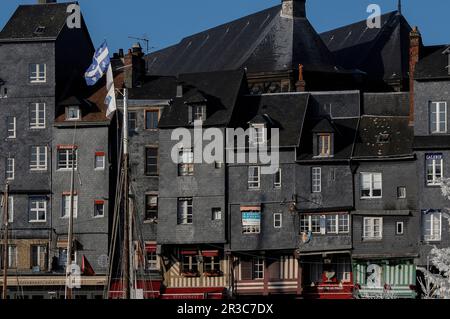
point(415, 42)
point(293, 8)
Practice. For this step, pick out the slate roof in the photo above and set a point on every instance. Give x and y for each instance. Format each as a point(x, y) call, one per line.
point(383, 53)
point(386, 104)
point(23, 23)
point(221, 89)
point(155, 88)
point(432, 142)
point(435, 64)
point(261, 42)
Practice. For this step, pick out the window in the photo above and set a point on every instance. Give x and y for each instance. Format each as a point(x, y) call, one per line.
point(332, 224)
point(438, 117)
point(65, 206)
point(315, 224)
point(37, 209)
point(67, 158)
point(316, 178)
point(38, 73)
point(37, 116)
point(100, 159)
point(11, 122)
point(198, 113)
point(325, 224)
point(186, 162)
point(277, 179)
point(435, 168)
point(189, 264)
point(254, 177)
point(304, 224)
point(39, 257)
point(151, 119)
point(211, 264)
point(401, 192)
point(258, 134)
point(324, 145)
point(399, 228)
point(99, 208)
point(251, 220)
point(258, 268)
point(73, 113)
point(10, 168)
point(151, 207)
point(152, 261)
point(373, 228)
point(132, 122)
point(38, 161)
point(277, 220)
point(12, 256)
point(371, 185)
point(344, 223)
point(185, 216)
point(217, 213)
point(432, 225)
point(10, 210)
point(151, 161)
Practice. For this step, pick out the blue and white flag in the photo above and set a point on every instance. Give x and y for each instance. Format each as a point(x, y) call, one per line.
point(110, 99)
point(99, 66)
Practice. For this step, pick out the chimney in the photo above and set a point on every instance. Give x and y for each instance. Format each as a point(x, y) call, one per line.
point(415, 41)
point(301, 84)
point(136, 66)
point(46, 1)
point(293, 8)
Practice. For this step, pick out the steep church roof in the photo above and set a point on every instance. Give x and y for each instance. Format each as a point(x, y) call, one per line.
point(262, 42)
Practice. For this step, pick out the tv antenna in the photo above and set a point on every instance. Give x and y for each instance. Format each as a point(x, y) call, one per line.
point(145, 39)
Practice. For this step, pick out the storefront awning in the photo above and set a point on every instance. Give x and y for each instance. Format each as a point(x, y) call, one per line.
point(210, 253)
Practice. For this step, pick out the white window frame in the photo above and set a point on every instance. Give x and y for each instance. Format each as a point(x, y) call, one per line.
point(152, 264)
point(369, 228)
point(372, 185)
point(198, 113)
point(38, 122)
point(277, 183)
point(254, 182)
point(436, 129)
point(432, 237)
point(65, 206)
point(39, 151)
point(103, 162)
point(10, 209)
point(12, 256)
point(68, 112)
point(316, 180)
point(258, 268)
point(216, 213)
point(324, 140)
point(66, 152)
point(278, 220)
point(185, 162)
point(183, 211)
point(11, 132)
point(401, 195)
point(41, 254)
point(103, 210)
point(435, 181)
point(36, 210)
point(10, 168)
point(402, 225)
point(258, 134)
point(40, 75)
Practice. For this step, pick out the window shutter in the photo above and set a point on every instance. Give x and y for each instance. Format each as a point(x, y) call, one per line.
point(246, 269)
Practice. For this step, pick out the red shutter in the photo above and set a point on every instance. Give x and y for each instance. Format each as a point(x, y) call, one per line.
point(210, 253)
point(99, 153)
point(66, 147)
point(189, 252)
point(150, 248)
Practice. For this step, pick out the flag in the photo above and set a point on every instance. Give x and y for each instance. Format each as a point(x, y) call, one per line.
point(86, 267)
point(99, 66)
point(110, 99)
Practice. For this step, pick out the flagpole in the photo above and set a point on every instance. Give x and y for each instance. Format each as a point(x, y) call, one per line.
point(69, 287)
point(5, 244)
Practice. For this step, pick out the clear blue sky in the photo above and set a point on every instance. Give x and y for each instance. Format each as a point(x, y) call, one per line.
point(168, 21)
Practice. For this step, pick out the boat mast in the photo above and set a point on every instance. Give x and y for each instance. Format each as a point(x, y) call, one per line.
point(69, 287)
point(5, 243)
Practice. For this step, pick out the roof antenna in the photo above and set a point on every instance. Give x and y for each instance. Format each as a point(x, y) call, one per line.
point(399, 7)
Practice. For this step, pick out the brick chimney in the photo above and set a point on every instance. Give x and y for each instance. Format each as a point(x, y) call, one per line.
point(135, 73)
point(293, 8)
point(301, 84)
point(415, 41)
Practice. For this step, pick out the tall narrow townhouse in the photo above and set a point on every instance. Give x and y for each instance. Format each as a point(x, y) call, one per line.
point(324, 187)
point(432, 147)
point(39, 56)
point(192, 217)
point(386, 218)
point(263, 221)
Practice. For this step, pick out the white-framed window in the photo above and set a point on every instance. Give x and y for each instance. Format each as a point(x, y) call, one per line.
point(332, 224)
point(65, 206)
point(258, 268)
point(371, 185)
point(73, 113)
point(399, 228)
point(324, 145)
point(39, 257)
point(151, 207)
point(12, 256)
point(434, 169)
point(316, 179)
point(151, 119)
point(189, 263)
point(37, 209)
point(438, 117)
point(38, 160)
point(185, 212)
point(258, 134)
point(67, 157)
point(99, 208)
point(38, 73)
point(37, 116)
point(401, 192)
point(325, 224)
point(373, 228)
point(186, 162)
point(10, 168)
point(11, 126)
point(198, 113)
point(432, 225)
point(277, 220)
point(152, 260)
point(277, 179)
point(344, 223)
point(211, 264)
point(254, 177)
point(217, 213)
point(99, 162)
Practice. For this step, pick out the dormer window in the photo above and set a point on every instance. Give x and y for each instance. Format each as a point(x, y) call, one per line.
point(323, 145)
point(198, 113)
point(258, 134)
point(73, 113)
